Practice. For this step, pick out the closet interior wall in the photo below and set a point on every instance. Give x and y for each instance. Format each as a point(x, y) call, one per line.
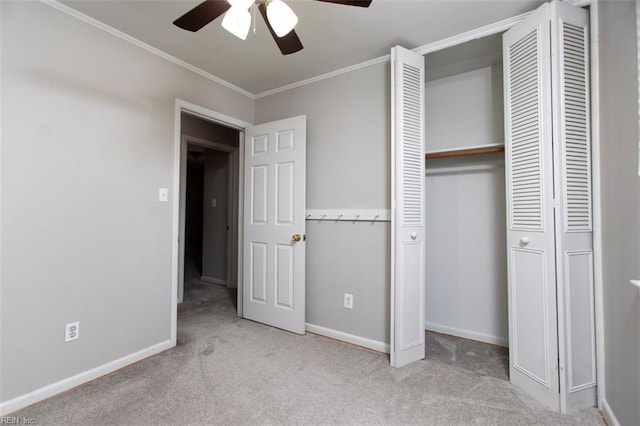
point(466, 271)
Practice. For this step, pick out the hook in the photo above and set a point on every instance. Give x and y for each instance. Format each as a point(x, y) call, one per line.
point(376, 217)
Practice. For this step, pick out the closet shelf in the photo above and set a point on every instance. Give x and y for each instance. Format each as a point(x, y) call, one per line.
point(464, 151)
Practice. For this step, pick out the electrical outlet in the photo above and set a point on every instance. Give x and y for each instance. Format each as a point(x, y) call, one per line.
point(72, 331)
point(348, 301)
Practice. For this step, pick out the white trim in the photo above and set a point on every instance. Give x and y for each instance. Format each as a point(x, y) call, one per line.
point(1, 174)
point(109, 29)
point(477, 33)
point(211, 280)
point(348, 338)
point(596, 201)
point(607, 412)
point(638, 59)
point(466, 334)
point(48, 391)
point(486, 31)
point(345, 70)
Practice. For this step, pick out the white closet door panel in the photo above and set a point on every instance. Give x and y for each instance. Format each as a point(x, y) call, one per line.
point(530, 222)
point(574, 241)
point(408, 220)
point(274, 203)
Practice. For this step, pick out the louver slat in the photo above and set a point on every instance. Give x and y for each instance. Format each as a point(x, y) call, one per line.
point(412, 157)
point(526, 188)
point(576, 158)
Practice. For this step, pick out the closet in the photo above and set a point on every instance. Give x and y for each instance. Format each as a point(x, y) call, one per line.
point(465, 207)
point(534, 233)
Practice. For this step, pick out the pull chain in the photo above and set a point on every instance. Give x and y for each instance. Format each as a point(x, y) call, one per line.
point(254, 19)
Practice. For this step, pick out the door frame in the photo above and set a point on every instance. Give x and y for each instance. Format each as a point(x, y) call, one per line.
point(182, 106)
point(232, 188)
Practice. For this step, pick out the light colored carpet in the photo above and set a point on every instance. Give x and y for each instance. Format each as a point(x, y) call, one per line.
point(226, 370)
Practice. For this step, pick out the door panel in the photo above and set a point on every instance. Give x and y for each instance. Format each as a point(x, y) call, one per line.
point(274, 217)
point(407, 218)
point(530, 278)
point(533, 321)
point(574, 238)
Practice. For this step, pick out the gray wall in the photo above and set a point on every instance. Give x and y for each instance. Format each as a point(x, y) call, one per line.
point(348, 167)
point(214, 224)
point(466, 270)
point(87, 140)
point(620, 207)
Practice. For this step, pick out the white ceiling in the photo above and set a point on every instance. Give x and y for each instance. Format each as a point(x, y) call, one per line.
point(334, 36)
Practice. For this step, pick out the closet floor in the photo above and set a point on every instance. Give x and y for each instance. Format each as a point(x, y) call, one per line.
point(481, 358)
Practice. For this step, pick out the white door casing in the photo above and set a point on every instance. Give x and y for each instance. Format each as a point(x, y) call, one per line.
point(533, 349)
point(274, 224)
point(407, 209)
point(549, 231)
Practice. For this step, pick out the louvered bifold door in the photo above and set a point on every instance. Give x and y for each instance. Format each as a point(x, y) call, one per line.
point(408, 218)
point(533, 348)
point(574, 242)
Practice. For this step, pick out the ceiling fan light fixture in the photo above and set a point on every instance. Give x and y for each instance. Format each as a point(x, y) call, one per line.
point(281, 17)
point(237, 21)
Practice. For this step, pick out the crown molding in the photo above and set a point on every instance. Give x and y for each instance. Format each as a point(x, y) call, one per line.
point(485, 31)
point(109, 29)
point(345, 70)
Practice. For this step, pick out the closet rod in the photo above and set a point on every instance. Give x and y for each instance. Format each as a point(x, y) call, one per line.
point(461, 152)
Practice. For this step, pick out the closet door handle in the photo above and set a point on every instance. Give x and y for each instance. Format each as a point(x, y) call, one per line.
point(524, 241)
point(414, 235)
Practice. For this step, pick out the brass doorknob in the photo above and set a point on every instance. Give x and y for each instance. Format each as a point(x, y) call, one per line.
point(296, 237)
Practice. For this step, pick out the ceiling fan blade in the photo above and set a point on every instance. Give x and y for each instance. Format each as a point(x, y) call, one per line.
point(289, 43)
point(202, 14)
point(361, 3)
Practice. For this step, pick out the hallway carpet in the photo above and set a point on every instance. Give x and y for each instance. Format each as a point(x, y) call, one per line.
point(230, 371)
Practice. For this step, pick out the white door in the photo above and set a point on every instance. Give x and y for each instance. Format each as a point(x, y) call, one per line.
point(533, 347)
point(549, 234)
point(274, 224)
point(407, 207)
point(574, 237)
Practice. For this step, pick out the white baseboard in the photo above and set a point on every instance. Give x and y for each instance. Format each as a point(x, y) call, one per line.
point(213, 280)
point(471, 335)
point(48, 391)
point(608, 414)
point(349, 338)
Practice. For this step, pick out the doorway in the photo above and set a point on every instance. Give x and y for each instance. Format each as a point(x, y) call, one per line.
point(208, 198)
point(466, 313)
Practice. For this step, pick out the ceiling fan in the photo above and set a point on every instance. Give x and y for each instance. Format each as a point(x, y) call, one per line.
point(279, 18)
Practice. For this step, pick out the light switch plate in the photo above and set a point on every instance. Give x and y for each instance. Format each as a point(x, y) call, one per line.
point(163, 195)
